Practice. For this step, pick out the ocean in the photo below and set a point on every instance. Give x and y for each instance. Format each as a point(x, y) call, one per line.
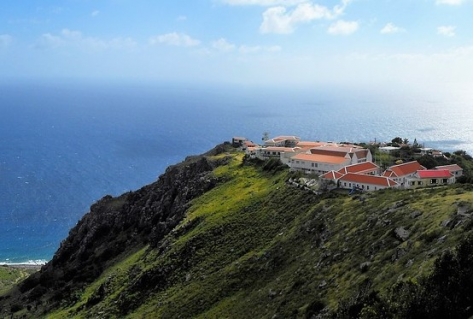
point(63, 146)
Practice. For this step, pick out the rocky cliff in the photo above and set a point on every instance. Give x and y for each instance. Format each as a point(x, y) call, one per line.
point(119, 225)
point(223, 236)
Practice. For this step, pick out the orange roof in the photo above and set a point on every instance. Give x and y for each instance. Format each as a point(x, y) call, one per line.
point(403, 169)
point(319, 158)
point(280, 149)
point(368, 179)
point(309, 144)
point(328, 152)
point(339, 148)
point(283, 138)
point(365, 167)
point(434, 173)
point(331, 175)
point(451, 168)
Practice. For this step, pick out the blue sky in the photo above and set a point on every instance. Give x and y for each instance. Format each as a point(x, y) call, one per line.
point(261, 42)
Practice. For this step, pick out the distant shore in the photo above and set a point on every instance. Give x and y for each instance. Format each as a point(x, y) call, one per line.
point(26, 266)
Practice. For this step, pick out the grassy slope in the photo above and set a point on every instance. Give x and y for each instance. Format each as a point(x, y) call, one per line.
point(12, 275)
point(255, 247)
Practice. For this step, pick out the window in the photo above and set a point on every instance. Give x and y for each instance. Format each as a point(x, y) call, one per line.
point(367, 187)
point(420, 183)
point(412, 183)
point(445, 181)
point(433, 181)
point(345, 184)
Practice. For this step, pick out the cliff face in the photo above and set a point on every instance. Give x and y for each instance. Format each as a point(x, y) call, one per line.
point(223, 236)
point(117, 225)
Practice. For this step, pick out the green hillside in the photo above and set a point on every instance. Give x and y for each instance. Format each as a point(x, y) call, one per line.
point(254, 246)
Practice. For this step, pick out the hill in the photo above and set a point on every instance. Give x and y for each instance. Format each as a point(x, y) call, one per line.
point(220, 236)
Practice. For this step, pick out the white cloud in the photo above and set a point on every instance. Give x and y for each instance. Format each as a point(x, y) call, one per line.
point(450, 2)
point(342, 27)
point(75, 39)
point(245, 49)
point(47, 40)
point(223, 45)
point(339, 9)
point(95, 13)
point(5, 40)
point(182, 18)
point(175, 39)
point(263, 3)
point(283, 21)
point(447, 30)
point(391, 28)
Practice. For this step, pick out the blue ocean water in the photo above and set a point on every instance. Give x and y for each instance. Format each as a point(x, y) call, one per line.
point(64, 146)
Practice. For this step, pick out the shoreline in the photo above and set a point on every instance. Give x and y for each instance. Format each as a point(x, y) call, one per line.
point(26, 266)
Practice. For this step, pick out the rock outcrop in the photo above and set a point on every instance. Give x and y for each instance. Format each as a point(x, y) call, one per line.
point(115, 225)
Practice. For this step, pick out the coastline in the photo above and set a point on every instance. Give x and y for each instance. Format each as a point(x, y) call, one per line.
point(25, 266)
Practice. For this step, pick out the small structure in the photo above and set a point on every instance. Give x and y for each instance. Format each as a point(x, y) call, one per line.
point(431, 177)
point(426, 150)
point(388, 149)
point(455, 169)
point(361, 168)
point(366, 182)
point(331, 176)
point(282, 153)
point(282, 141)
point(307, 145)
point(318, 163)
point(238, 141)
point(320, 160)
point(399, 173)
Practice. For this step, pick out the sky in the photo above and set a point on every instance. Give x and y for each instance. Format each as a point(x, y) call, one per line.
point(252, 42)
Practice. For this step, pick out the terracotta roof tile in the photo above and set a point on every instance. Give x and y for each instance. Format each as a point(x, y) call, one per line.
point(319, 158)
point(280, 149)
point(332, 175)
point(369, 179)
point(451, 168)
point(404, 169)
point(309, 144)
point(336, 152)
point(365, 167)
point(434, 173)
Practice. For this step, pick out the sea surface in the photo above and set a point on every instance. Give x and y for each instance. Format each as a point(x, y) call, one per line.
point(63, 146)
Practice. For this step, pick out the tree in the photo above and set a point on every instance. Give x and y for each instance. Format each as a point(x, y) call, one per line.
point(397, 140)
point(428, 161)
point(415, 143)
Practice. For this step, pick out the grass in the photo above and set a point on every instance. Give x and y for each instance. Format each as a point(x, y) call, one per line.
point(256, 247)
point(9, 276)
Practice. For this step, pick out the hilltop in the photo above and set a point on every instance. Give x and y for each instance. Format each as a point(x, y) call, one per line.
point(222, 236)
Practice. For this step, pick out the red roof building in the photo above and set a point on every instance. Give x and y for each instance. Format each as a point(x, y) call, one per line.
point(366, 182)
point(361, 168)
point(434, 173)
point(430, 177)
point(399, 173)
point(331, 175)
point(455, 169)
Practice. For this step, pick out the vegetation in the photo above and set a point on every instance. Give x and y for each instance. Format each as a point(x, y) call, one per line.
point(256, 247)
point(11, 275)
